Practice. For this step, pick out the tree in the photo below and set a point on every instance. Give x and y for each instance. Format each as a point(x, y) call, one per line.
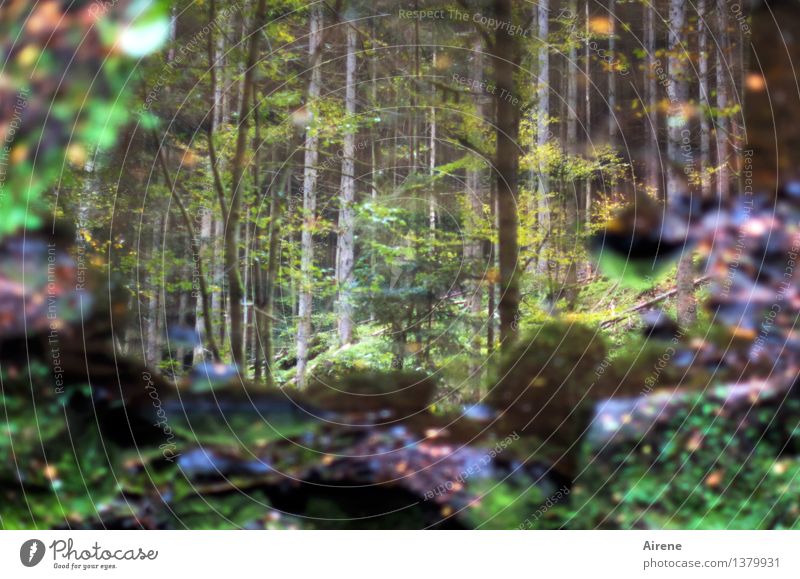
point(543, 113)
point(723, 179)
point(476, 203)
point(309, 195)
point(613, 121)
point(235, 287)
point(345, 240)
point(678, 126)
point(505, 59)
point(705, 141)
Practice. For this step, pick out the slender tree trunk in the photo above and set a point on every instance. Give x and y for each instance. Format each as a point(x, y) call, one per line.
point(475, 195)
point(723, 183)
point(653, 172)
point(246, 282)
point(572, 194)
point(587, 73)
point(678, 125)
point(266, 313)
point(612, 75)
point(219, 297)
point(218, 114)
point(196, 248)
point(705, 141)
point(373, 75)
point(346, 239)
point(222, 59)
point(257, 267)
point(505, 53)
point(678, 95)
point(258, 302)
point(572, 87)
point(235, 288)
point(309, 199)
point(205, 325)
point(432, 166)
point(154, 309)
point(543, 102)
point(491, 256)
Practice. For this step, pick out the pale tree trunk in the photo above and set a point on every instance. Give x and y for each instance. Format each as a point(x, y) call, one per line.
point(677, 93)
point(257, 267)
point(678, 123)
point(204, 326)
point(612, 79)
point(543, 102)
point(505, 58)
point(217, 53)
point(572, 193)
point(652, 118)
point(705, 141)
point(587, 73)
point(246, 281)
point(218, 303)
point(222, 50)
point(346, 238)
point(686, 305)
point(373, 76)
point(475, 299)
point(492, 251)
point(723, 183)
point(309, 199)
point(432, 166)
point(572, 88)
point(255, 326)
point(240, 70)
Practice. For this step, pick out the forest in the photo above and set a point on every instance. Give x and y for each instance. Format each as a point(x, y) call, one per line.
point(457, 264)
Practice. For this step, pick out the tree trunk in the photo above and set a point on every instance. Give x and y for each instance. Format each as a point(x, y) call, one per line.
point(686, 305)
point(432, 166)
point(652, 118)
point(587, 73)
point(612, 79)
point(491, 258)
point(205, 325)
point(218, 114)
point(505, 53)
point(572, 87)
point(266, 316)
point(235, 288)
point(475, 195)
point(153, 357)
point(678, 127)
point(196, 247)
point(723, 183)
point(543, 101)
point(345, 241)
point(678, 95)
point(257, 267)
point(309, 199)
point(705, 141)
point(246, 283)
